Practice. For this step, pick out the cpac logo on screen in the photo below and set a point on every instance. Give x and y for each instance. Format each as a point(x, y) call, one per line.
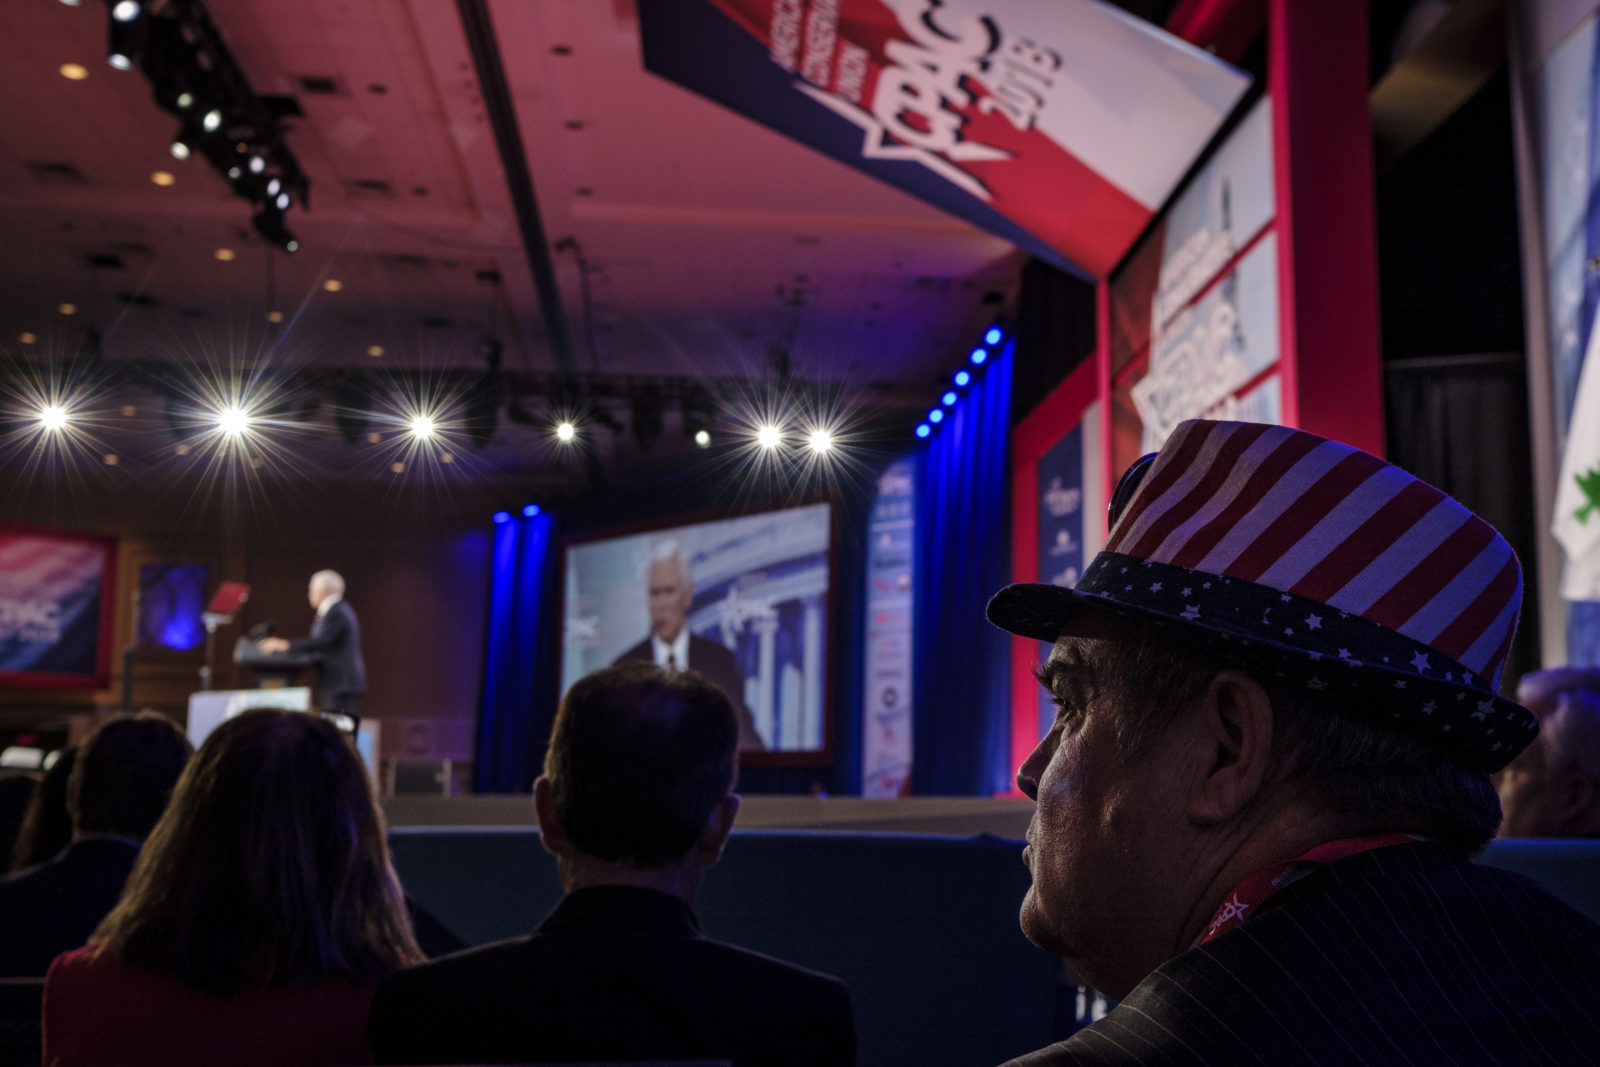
point(914, 116)
point(30, 620)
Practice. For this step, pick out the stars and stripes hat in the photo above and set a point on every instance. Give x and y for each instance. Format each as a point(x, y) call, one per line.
point(1332, 568)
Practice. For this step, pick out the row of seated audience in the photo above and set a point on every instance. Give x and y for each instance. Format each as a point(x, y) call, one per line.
point(1194, 749)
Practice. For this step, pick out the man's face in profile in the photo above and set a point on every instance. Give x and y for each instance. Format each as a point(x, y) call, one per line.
point(316, 595)
point(670, 593)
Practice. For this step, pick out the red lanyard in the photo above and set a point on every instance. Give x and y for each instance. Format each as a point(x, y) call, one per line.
point(1255, 889)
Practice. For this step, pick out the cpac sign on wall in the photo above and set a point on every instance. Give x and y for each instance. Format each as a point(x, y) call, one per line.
point(1059, 125)
point(1194, 310)
point(55, 607)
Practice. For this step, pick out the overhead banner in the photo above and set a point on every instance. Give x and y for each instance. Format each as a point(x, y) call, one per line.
point(1059, 125)
point(55, 608)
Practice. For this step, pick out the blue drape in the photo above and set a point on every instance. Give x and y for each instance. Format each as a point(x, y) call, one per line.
point(520, 657)
point(960, 682)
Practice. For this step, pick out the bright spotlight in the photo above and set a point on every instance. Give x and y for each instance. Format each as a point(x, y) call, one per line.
point(530, 510)
point(949, 399)
point(185, 101)
point(565, 432)
point(257, 164)
point(923, 429)
point(233, 421)
point(422, 427)
point(282, 201)
point(992, 336)
point(936, 416)
point(180, 149)
point(962, 378)
point(502, 516)
point(53, 417)
point(769, 437)
point(125, 10)
point(978, 356)
point(820, 441)
point(212, 120)
point(120, 61)
point(273, 186)
point(703, 438)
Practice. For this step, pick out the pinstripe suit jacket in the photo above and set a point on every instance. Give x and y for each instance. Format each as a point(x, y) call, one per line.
point(1398, 955)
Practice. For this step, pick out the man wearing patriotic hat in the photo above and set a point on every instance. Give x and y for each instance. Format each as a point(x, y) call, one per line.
point(1279, 710)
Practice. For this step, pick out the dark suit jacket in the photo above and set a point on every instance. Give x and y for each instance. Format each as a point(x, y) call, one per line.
point(1399, 955)
point(55, 906)
point(715, 664)
point(335, 640)
point(615, 973)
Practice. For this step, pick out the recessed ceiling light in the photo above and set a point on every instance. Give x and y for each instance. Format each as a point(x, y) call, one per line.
point(397, 466)
point(27, 338)
point(333, 285)
point(374, 437)
point(224, 254)
point(182, 450)
point(129, 411)
point(163, 177)
point(374, 350)
point(274, 316)
point(74, 71)
point(447, 457)
point(111, 459)
point(68, 309)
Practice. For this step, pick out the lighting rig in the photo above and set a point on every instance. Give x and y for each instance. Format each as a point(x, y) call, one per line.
point(221, 119)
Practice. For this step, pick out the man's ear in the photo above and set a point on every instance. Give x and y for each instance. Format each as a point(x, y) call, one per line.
point(1234, 724)
point(1573, 792)
point(714, 835)
point(552, 835)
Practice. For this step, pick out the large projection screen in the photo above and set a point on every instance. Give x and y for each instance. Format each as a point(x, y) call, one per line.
point(755, 602)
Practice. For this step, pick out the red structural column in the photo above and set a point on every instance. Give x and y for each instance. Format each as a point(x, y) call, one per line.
point(1327, 250)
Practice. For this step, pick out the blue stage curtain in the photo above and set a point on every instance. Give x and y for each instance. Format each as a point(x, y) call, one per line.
point(960, 683)
point(520, 660)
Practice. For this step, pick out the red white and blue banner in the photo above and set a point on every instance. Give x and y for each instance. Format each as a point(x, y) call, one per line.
point(886, 663)
point(1059, 125)
point(55, 607)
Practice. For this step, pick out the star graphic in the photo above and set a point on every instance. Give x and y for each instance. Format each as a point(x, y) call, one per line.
point(1205, 585)
point(1344, 653)
point(1288, 631)
point(1318, 684)
point(1283, 597)
point(1186, 591)
point(1155, 587)
point(1429, 708)
point(1313, 622)
point(1191, 611)
point(1420, 662)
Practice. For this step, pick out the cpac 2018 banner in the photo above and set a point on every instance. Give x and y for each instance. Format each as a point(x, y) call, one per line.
point(55, 607)
point(1059, 125)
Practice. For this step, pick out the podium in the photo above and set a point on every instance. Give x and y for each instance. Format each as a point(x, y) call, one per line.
point(210, 708)
point(272, 671)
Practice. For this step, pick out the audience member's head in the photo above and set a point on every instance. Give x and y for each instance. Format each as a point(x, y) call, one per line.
point(124, 775)
point(17, 790)
point(270, 868)
point(638, 781)
point(1553, 788)
point(47, 824)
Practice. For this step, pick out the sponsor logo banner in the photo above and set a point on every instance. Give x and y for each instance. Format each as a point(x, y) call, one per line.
point(53, 592)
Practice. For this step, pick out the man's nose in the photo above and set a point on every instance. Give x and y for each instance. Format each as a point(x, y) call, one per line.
point(1028, 775)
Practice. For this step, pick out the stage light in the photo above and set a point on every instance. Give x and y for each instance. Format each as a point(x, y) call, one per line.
point(27, 338)
point(374, 350)
point(273, 186)
point(74, 71)
point(769, 437)
point(936, 416)
point(978, 356)
point(125, 10)
point(530, 510)
point(127, 34)
point(72, 3)
point(282, 201)
point(212, 121)
point(233, 173)
point(820, 441)
point(53, 417)
point(68, 309)
point(962, 378)
point(185, 101)
point(702, 438)
point(502, 516)
point(233, 421)
point(180, 148)
point(992, 336)
point(949, 399)
point(422, 427)
point(120, 61)
point(257, 164)
point(565, 432)
point(332, 285)
point(163, 177)
point(224, 254)
point(923, 429)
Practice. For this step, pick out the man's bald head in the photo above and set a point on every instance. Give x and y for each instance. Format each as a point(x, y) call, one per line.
point(1553, 788)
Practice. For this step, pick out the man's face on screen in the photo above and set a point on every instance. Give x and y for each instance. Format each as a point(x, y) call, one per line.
point(670, 593)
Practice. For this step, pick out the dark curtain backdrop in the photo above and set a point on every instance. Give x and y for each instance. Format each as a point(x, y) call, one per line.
point(960, 682)
point(521, 657)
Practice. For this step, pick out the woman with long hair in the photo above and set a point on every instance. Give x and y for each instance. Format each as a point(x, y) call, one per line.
point(257, 921)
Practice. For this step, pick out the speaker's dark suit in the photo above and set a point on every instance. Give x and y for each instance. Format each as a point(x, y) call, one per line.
point(55, 906)
point(1398, 955)
point(615, 973)
point(716, 665)
point(335, 640)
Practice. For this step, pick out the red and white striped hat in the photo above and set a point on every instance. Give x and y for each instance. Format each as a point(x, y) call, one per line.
point(1341, 572)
